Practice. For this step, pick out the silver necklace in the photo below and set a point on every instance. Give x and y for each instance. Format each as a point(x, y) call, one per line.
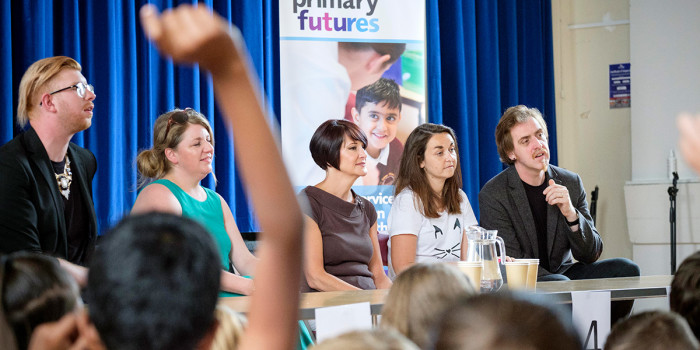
point(65, 179)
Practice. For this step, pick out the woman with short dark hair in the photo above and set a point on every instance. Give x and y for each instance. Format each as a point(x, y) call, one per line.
point(340, 237)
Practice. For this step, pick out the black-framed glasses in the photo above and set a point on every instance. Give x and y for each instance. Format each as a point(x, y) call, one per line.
point(80, 88)
point(179, 117)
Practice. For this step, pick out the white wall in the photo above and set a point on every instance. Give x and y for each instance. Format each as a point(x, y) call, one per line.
point(624, 151)
point(665, 54)
point(665, 57)
point(594, 140)
point(648, 217)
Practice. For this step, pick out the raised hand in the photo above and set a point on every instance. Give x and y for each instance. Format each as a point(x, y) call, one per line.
point(689, 142)
point(196, 35)
point(559, 195)
point(73, 331)
point(193, 34)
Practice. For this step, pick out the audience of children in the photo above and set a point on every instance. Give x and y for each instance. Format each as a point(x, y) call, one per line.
point(154, 283)
point(652, 330)
point(376, 339)
point(229, 329)
point(35, 291)
point(418, 298)
point(684, 298)
point(503, 322)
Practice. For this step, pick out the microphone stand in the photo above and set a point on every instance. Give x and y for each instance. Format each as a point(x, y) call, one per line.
point(672, 192)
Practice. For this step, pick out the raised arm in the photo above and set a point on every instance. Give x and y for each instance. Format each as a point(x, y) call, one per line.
point(689, 141)
point(194, 35)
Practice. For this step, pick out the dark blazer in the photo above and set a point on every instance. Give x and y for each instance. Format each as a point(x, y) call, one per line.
point(504, 207)
point(31, 206)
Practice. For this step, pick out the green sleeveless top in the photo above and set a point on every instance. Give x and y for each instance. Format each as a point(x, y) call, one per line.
point(208, 213)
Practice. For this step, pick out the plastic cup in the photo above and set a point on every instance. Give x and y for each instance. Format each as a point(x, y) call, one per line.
point(517, 274)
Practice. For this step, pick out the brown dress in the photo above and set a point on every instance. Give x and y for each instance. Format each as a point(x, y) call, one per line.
point(347, 247)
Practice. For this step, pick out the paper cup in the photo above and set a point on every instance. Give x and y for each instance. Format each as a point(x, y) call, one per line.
point(531, 272)
point(517, 274)
point(473, 270)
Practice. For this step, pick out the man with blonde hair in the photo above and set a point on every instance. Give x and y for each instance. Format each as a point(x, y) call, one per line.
point(46, 193)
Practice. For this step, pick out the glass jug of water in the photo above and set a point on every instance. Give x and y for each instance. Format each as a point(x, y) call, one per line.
point(482, 247)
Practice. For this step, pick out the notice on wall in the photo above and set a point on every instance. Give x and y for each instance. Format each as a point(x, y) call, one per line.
point(620, 85)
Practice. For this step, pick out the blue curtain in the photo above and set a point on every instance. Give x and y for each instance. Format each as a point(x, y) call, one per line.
point(483, 56)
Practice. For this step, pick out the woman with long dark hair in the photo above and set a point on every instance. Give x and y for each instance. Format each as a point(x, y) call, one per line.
point(430, 211)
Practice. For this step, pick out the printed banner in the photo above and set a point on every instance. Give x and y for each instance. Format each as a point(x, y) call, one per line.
point(358, 60)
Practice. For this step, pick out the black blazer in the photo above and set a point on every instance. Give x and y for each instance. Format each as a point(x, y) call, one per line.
point(31, 214)
point(504, 207)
